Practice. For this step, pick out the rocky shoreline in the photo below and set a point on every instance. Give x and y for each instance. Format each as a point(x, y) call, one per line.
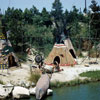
point(18, 92)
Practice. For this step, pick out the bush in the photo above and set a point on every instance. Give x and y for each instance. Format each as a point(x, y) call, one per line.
point(22, 56)
point(94, 53)
point(1, 82)
point(34, 77)
point(94, 75)
point(57, 84)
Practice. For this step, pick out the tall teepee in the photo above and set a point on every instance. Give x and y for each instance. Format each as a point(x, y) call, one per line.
point(61, 53)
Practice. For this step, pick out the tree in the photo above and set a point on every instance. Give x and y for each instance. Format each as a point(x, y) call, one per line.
point(34, 10)
point(28, 16)
point(46, 18)
point(95, 19)
point(57, 14)
point(57, 11)
point(13, 21)
point(94, 6)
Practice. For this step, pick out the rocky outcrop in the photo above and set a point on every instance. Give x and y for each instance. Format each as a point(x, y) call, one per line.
point(49, 92)
point(32, 91)
point(5, 91)
point(20, 92)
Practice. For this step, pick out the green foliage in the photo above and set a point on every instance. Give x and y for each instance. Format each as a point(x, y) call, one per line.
point(27, 16)
point(34, 10)
point(91, 74)
point(13, 21)
point(45, 15)
point(95, 19)
point(28, 27)
point(21, 56)
point(34, 77)
point(40, 38)
point(57, 11)
point(1, 82)
point(57, 84)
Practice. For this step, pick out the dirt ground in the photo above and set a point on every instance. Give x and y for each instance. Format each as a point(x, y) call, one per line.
point(18, 75)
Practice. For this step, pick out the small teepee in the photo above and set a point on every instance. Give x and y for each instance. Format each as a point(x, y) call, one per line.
point(64, 54)
point(7, 55)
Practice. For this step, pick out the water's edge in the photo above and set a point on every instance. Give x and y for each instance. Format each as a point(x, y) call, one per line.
point(90, 91)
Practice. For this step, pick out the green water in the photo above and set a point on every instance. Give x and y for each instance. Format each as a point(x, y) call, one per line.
point(89, 91)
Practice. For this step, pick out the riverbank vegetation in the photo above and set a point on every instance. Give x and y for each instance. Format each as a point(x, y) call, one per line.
point(34, 77)
point(58, 84)
point(93, 75)
point(1, 82)
point(90, 76)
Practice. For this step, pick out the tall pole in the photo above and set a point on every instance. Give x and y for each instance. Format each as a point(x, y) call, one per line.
point(9, 4)
point(85, 9)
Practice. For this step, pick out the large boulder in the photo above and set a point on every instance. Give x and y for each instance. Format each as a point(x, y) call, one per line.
point(33, 91)
point(5, 91)
point(20, 92)
point(49, 92)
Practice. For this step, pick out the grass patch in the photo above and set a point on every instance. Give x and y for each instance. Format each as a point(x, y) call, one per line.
point(77, 82)
point(34, 77)
point(1, 82)
point(57, 84)
point(94, 75)
point(74, 82)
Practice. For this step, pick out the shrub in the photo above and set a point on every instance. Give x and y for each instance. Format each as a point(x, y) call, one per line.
point(1, 82)
point(91, 74)
point(34, 77)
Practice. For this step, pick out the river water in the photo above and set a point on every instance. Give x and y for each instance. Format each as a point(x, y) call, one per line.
point(89, 91)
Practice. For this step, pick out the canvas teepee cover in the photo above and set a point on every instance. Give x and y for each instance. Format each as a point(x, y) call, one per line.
point(61, 54)
point(69, 45)
point(5, 49)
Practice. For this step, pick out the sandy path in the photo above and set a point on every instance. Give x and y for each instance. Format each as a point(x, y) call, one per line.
point(71, 73)
point(17, 75)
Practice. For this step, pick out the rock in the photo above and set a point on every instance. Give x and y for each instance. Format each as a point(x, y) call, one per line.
point(20, 92)
point(84, 53)
point(5, 91)
point(27, 84)
point(32, 91)
point(86, 65)
point(32, 84)
point(48, 68)
point(9, 85)
point(49, 92)
point(22, 84)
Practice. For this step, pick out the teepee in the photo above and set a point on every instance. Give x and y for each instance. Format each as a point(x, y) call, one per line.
point(64, 54)
point(7, 55)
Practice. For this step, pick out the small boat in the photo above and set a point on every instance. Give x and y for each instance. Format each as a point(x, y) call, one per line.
point(42, 86)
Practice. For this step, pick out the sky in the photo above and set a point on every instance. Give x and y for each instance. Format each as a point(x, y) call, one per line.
point(39, 4)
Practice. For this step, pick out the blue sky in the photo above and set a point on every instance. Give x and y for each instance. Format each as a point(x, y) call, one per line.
point(67, 4)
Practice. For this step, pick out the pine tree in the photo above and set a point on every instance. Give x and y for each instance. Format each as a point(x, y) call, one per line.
point(95, 19)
